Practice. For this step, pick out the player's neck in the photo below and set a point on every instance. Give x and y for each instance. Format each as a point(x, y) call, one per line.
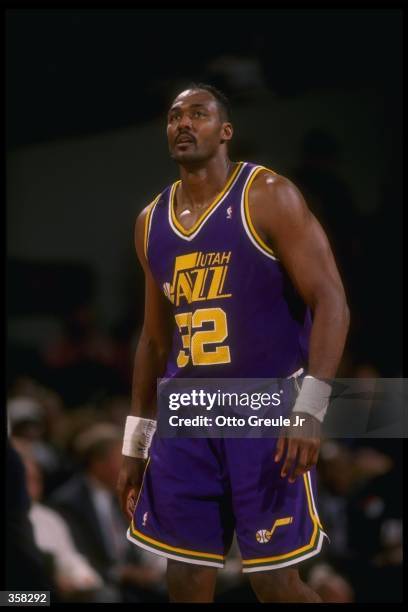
point(203, 183)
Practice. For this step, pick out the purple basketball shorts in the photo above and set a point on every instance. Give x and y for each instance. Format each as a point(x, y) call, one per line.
point(196, 492)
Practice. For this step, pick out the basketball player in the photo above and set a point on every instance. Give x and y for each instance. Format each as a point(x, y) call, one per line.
point(235, 267)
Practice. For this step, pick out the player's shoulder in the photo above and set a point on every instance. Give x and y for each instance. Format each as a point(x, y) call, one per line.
point(270, 188)
point(269, 182)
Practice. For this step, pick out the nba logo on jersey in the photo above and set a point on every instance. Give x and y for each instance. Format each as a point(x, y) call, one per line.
point(145, 516)
point(229, 212)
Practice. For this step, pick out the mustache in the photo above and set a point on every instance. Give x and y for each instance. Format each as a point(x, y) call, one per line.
point(185, 134)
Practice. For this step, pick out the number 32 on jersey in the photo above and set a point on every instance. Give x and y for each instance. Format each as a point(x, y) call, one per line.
point(195, 339)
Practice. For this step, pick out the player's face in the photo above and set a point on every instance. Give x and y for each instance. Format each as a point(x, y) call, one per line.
point(195, 129)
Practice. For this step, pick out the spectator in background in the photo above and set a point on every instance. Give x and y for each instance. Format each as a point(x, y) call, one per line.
point(89, 504)
point(29, 422)
point(375, 526)
point(336, 480)
point(360, 506)
point(26, 418)
point(26, 567)
point(54, 413)
point(74, 578)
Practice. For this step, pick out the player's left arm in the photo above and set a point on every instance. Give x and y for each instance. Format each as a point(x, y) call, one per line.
point(284, 221)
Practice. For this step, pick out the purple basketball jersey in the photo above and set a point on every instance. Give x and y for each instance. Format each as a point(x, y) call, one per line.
point(236, 311)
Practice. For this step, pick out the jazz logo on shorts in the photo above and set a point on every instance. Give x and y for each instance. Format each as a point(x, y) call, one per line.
point(264, 535)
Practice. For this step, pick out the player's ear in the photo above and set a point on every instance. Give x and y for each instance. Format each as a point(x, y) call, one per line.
point(227, 132)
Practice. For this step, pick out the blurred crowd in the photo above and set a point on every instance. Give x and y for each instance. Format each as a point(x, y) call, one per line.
point(68, 402)
point(62, 505)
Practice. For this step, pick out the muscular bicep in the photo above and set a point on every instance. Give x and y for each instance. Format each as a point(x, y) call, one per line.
point(298, 239)
point(158, 321)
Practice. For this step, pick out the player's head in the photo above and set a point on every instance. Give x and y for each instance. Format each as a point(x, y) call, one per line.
point(198, 124)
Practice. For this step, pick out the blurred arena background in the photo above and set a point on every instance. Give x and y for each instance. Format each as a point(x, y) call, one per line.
point(316, 95)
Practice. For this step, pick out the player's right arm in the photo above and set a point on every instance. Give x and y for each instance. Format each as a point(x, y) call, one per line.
point(155, 340)
point(149, 364)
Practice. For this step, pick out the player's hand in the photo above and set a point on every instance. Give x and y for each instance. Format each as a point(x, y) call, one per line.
point(129, 483)
point(302, 444)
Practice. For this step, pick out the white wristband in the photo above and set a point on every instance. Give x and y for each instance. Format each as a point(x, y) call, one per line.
point(313, 397)
point(138, 437)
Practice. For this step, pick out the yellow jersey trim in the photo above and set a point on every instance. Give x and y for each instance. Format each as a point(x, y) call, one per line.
point(148, 223)
point(173, 548)
point(205, 214)
point(251, 227)
point(316, 516)
point(297, 551)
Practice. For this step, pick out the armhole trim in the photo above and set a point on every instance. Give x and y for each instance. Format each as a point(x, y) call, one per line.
point(148, 223)
point(246, 218)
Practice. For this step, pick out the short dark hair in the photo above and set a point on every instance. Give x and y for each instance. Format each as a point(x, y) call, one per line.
point(223, 103)
point(96, 442)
